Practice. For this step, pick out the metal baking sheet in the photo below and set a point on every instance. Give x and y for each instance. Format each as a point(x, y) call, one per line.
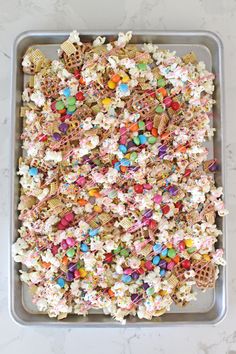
point(210, 307)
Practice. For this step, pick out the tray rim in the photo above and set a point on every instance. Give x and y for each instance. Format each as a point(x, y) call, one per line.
point(41, 33)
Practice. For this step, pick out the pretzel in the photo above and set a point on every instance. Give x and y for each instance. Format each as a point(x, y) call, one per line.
point(204, 274)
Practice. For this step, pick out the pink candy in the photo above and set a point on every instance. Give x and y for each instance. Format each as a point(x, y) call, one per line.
point(149, 125)
point(147, 186)
point(170, 265)
point(64, 244)
point(69, 216)
point(70, 241)
point(128, 271)
point(157, 198)
point(81, 181)
point(123, 130)
point(148, 265)
point(123, 140)
point(167, 102)
point(64, 222)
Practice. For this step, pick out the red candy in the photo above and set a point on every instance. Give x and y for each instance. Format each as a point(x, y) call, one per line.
point(138, 188)
point(186, 264)
point(53, 106)
point(64, 222)
point(140, 271)
point(151, 93)
point(175, 106)
point(179, 205)
point(77, 74)
point(181, 246)
point(165, 209)
point(148, 265)
point(152, 224)
point(187, 172)
point(61, 227)
point(108, 258)
point(79, 96)
point(76, 273)
point(54, 250)
point(43, 137)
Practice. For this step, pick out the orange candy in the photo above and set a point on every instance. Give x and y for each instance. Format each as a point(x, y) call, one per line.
point(154, 132)
point(64, 260)
point(115, 78)
point(82, 81)
point(123, 168)
point(46, 265)
point(110, 293)
point(133, 127)
point(82, 202)
point(97, 208)
point(176, 259)
point(165, 136)
point(162, 91)
point(62, 111)
point(181, 148)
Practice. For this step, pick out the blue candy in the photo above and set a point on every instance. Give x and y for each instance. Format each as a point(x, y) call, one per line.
point(126, 278)
point(156, 260)
point(84, 247)
point(162, 272)
point(125, 162)
point(142, 139)
point(66, 92)
point(157, 248)
point(117, 166)
point(61, 282)
point(164, 252)
point(93, 232)
point(124, 88)
point(33, 171)
point(123, 149)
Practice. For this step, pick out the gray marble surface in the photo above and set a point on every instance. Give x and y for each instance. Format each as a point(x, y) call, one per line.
point(17, 16)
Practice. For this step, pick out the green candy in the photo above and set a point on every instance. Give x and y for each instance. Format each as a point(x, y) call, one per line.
point(161, 82)
point(136, 140)
point(133, 156)
point(191, 250)
point(171, 253)
point(71, 101)
point(152, 140)
point(159, 109)
point(117, 250)
point(78, 266)
point(141, 125)
point(112, 194)
point(97, 162)
point(70, 252)
point(124, 252)
point(60, 105)
point(71, 108)
point(150, 291)
point(142, 66)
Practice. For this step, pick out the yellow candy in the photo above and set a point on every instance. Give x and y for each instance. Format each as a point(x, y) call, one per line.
point(125, 79)
point(163, 292)
point(188, 242)
point(97, 208)
point(167, 259)
point(82, 272)
point(106, 101)
point(92, 192)
point(111, 85)
point(127, 156)
point(206, 257)
point(169, 245)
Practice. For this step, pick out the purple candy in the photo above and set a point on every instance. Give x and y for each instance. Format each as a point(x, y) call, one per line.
point(69, 276)
point(162, 148)
point(173, 190)
point(213, 167)
point(130, 144)
point(63, 127)
point(56, 136)
point(135, 275)
point(136, 298)
point(162, 264)
point(72, 267)
point(148, 213)
point(161, 154)
point(145, 286)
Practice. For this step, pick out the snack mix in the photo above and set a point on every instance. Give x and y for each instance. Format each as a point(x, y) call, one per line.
point(118, 200)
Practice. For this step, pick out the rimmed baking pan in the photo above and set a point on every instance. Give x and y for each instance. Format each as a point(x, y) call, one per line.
point(210, 306)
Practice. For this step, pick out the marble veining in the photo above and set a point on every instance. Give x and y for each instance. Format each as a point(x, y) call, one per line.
point(19, 15)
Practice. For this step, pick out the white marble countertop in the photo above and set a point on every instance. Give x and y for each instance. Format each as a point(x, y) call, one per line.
point(20, 15)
